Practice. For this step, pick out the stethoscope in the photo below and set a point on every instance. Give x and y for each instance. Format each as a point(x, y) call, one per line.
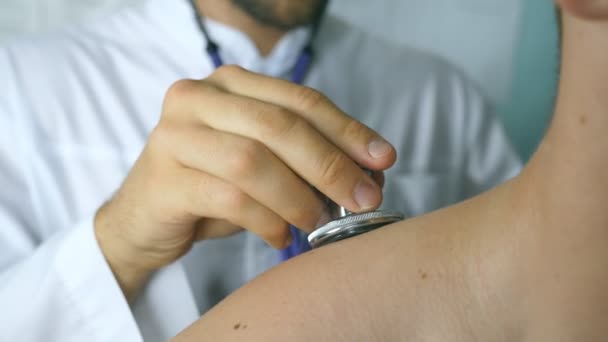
point(344, 224)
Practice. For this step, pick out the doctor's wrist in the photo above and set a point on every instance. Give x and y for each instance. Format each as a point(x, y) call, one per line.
point(123, 257)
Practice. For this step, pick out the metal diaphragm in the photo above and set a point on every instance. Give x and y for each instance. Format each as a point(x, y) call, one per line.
point(352, 225)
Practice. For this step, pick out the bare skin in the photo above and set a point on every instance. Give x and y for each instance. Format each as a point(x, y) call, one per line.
point(526, 261)
point(264, 37)
point(284, 13)
point(587, 9)
point(229, 153)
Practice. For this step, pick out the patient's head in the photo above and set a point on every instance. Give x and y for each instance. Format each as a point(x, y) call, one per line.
point(283, 14)
point(591, 9)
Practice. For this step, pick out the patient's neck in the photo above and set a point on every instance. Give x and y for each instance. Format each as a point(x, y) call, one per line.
point(572, 162)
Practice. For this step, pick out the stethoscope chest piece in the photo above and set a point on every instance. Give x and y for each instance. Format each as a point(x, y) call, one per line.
point(352, 225)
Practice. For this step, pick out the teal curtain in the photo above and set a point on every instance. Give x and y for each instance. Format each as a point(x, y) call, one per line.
point(529, 106)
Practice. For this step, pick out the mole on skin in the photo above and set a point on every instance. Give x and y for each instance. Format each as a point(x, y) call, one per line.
point(238, 326)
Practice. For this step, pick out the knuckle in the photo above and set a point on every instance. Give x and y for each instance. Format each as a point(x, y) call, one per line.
point(355, 130)
point(276, 122)
point(180, 89)
point(308, 98)
point(227, 71)
point(180, 94)
point(245, 159)
point(333, 168)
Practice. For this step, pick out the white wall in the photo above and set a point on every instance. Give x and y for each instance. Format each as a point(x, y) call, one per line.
point(18, 16)
point(478, 35)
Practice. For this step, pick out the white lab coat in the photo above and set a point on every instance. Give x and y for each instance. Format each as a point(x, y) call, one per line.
point(77, 105)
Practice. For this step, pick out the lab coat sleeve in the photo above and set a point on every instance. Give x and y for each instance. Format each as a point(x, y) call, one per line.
point(490, 158)
point(53, 286)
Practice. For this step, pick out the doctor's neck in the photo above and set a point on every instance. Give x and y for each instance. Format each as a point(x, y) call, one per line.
point(258, 19)
point(226, 12)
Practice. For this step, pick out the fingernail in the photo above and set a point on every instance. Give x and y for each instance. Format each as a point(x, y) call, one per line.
point(379, 148)
point(367, 195)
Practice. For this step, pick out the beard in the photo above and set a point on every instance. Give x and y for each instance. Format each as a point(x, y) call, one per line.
point(283, 14)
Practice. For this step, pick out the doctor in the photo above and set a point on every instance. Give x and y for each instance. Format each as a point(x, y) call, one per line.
point(114, 162)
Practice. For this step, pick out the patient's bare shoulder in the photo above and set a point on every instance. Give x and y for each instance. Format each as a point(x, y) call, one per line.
point(385, 285)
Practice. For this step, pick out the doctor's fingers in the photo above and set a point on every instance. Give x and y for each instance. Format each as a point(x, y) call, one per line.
point(378, 177)
point(292, 139)
point(250, 166)
point(206, 196)
point(360, 142)
point(209, 229)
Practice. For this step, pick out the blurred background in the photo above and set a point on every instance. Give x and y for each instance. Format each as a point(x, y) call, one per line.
point(508, 47)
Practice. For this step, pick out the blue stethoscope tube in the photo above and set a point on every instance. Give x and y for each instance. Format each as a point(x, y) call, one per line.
point(298, 246)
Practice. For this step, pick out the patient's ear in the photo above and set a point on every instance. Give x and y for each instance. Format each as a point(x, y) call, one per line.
point(589, 9)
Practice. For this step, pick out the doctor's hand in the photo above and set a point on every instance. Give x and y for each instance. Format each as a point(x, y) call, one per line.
point(236, 150)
